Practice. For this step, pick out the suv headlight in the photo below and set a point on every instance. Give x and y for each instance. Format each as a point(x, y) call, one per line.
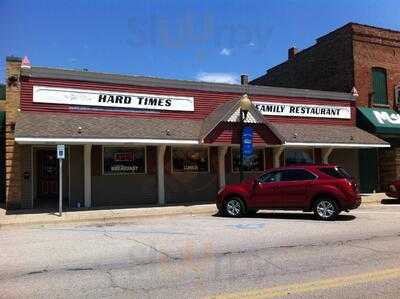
point(392, 188)
point(221, 190)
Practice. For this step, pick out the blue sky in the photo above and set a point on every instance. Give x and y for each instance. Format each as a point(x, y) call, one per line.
point(200, 40)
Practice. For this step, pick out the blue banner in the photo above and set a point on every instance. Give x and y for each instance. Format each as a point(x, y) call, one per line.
point(247, 141)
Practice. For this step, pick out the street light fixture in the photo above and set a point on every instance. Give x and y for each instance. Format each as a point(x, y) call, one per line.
point(245, 105)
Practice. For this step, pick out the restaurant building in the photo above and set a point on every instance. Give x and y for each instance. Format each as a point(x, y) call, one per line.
point(133, 140)
point(365, 58)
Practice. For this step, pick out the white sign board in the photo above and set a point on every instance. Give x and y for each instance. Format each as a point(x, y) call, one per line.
point(84, 97)
point(303, 110)
point(61, 151)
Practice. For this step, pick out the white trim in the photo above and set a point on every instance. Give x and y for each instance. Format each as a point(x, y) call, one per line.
point(39, 140)
point(222, 150)
point(276, 156)
point(336, 145)
point(123, 173)
point(87, 173)
point(32, 177)
point(325, 153)
point(68, 152)
point(161, 174)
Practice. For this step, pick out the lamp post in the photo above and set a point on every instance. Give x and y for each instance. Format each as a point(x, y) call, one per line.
point(245, 105)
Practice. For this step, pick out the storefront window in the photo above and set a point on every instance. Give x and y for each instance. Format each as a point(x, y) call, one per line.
point(124, 160)
point(253, 163)
point(299, 156)
point(190, 159)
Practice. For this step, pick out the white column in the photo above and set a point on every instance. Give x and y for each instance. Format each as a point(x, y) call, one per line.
point(221, 165)
point(160, 174)
point(325, 153)
point(277, 151)
point(87, 160)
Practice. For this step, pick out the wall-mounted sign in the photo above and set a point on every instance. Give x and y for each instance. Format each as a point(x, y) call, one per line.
point(247, 141)
point(303, 110)
point(84, 97)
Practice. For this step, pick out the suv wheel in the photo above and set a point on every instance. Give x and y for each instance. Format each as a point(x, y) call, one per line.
point(234, 207)
point(326, 209)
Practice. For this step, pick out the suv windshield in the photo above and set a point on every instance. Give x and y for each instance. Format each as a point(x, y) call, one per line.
point(336, 172)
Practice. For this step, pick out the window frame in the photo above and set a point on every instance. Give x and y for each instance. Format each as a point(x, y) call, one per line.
point(180, 172)
point(298, 148)
point(247, 171)
point(123, 146)
point(377, 69)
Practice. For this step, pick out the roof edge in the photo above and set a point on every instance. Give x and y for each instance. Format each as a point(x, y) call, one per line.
point(98, 77)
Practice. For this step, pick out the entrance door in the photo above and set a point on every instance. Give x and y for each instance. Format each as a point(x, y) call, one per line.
point(267, 193)
point(47, 178)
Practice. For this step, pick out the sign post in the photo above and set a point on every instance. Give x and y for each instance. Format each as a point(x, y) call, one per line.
point(60, 157)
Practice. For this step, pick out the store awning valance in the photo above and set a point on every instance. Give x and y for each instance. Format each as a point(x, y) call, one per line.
point(53, 128)
point(80, 128)
point(379, 120)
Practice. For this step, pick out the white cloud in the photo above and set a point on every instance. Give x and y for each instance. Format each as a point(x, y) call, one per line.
point(217, 77)
point(225, 52)
point(251, 44)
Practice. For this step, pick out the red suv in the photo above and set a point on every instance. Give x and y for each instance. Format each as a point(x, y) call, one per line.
point(325, 189)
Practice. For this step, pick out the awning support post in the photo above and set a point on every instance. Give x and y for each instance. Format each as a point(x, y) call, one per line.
point(277, 151)
point(221, 165)
point(160, 174)
point(87, 158)
point(325, 153)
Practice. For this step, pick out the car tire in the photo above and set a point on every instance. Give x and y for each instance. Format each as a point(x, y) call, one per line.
point(234, 207)
point(326, 209)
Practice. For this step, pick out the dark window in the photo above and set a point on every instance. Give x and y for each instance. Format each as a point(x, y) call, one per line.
point(124, 160)
point(188, 159)
point(255, 162)
point(336, 172)
point(297, 175)
point(270, 177)
point(379, 86)
point(299, 156)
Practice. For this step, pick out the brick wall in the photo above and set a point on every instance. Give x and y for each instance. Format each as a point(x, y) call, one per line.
point(340, 60)
point(375, 48)
point(327, 65)
point(13, 151)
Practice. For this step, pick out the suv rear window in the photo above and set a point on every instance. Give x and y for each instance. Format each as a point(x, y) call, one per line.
point(336, 172)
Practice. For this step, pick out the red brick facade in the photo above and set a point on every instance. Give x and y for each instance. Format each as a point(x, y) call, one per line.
point(340, 60)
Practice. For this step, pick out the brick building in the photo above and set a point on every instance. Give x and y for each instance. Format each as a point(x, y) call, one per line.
point(360, 56)
point(141, 140)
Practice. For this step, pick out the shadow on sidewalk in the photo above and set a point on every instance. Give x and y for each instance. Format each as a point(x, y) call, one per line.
point(53, 211)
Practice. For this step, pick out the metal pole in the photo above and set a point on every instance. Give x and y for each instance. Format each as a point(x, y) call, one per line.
point(241, 147)
point(60, 189)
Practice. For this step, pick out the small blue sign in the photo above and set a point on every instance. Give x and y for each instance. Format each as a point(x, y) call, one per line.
point(247, 141)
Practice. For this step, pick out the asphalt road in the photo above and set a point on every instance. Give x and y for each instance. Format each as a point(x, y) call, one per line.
point(270, 255)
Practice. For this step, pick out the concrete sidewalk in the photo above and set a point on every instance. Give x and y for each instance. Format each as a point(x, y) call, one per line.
point(109, 215)
point(113, 215)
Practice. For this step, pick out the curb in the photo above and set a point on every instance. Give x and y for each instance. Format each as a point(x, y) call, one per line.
point(116, 218)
